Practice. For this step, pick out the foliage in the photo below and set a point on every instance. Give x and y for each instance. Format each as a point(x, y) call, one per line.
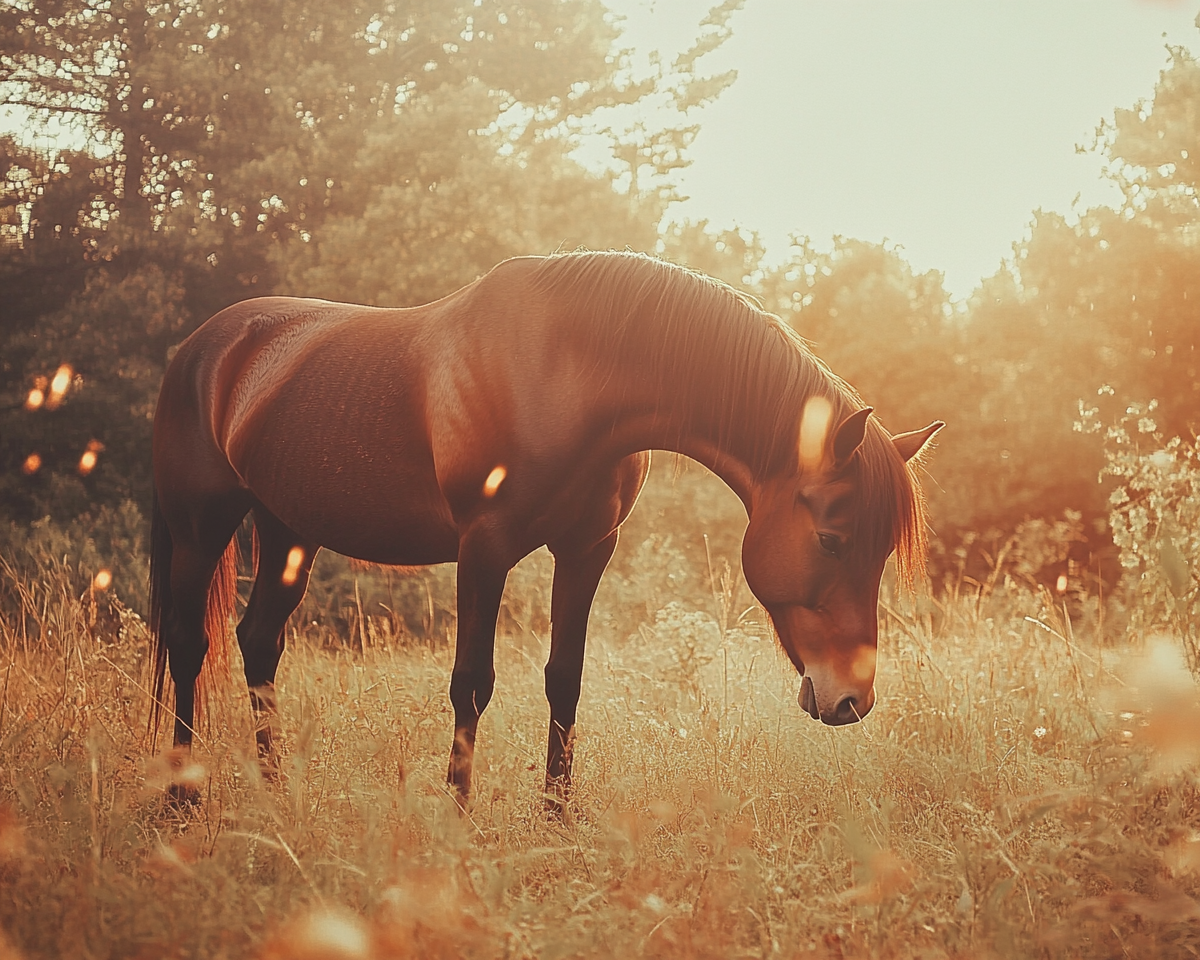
point(48, 554)
point(1101, 300)
point(1156, 521)
point(416, 145)
point(386, 154)
point(862, 293)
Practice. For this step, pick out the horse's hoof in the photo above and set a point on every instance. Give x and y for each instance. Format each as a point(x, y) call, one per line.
point(557, 801)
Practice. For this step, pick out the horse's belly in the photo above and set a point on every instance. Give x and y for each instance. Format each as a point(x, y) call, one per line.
point(363, 491)
point(392, 540)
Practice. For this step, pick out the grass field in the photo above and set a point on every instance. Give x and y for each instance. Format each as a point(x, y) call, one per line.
point(1026, 786)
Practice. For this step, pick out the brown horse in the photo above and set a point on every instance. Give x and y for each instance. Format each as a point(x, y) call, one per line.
point(514, 413)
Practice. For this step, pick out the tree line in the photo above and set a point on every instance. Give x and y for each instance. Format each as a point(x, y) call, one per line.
point(389, 152)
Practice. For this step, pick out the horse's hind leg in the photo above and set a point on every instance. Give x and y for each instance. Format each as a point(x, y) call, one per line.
point(199, 566)
point(284, 564)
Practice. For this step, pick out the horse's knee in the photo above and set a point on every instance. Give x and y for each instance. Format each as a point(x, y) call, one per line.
point(563, 686)
point(471, 691)
point(185, 657)
point(260, 657)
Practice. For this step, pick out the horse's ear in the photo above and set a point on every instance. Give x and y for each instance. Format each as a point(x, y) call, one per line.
point(908, 445)
point(849, 435)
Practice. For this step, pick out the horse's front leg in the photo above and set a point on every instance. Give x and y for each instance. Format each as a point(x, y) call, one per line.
point(576, 576)
point(481, 579)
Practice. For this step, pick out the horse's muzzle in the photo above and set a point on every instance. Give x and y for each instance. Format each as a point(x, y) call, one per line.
point(847, 709)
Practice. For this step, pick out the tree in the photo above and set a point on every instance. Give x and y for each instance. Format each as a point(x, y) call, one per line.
point(378, 151)
point(1102, 310)
point(872, 319)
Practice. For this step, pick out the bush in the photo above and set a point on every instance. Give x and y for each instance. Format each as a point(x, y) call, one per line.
point(111, 539)
point(1155, 517)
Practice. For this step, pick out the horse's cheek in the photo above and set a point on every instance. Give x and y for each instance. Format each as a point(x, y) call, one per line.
point(775, 564)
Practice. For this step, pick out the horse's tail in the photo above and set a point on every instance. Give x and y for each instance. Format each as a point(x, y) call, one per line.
point(222, 599)
point(160, 605)
point(222, 603)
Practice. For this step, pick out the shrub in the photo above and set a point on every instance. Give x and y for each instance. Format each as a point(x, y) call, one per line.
point(1155, 517)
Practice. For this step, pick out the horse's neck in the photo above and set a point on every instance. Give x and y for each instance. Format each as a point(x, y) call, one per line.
point(680, 412)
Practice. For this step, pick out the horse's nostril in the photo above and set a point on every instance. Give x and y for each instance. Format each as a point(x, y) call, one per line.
point(847, 710)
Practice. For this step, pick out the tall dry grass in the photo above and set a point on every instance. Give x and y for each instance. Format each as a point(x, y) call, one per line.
point(1025, 787)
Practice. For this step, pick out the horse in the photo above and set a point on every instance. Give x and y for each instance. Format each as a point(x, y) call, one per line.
point(516, 412)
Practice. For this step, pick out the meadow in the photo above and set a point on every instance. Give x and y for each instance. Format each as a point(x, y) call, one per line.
point(1026, 785)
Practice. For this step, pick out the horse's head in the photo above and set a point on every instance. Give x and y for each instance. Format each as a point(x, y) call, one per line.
point(816, 546)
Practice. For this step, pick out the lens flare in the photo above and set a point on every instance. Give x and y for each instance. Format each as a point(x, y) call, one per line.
point(59, 385)
point(102, 580)
point(87, 462)
point(862, 667)
point(814, 429)
point(295, 557)
point(493, 481)
point(35, 399)
point(32, 464)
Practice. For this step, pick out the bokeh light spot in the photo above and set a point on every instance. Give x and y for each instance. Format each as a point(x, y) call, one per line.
point(814, 428)
point(59, 385)
point(493, 481)
point(295, 557)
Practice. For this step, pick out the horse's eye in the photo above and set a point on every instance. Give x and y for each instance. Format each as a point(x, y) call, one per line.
point(830, 544)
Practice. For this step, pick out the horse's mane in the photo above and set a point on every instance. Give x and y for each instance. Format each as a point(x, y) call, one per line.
point(742, 374)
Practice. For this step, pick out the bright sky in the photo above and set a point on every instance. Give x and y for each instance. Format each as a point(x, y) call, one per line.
point(940, 125)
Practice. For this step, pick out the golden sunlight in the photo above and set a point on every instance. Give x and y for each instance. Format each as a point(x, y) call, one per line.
point(102, 580)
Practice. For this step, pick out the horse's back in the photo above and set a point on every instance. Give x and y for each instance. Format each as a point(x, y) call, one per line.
point(316, 409)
